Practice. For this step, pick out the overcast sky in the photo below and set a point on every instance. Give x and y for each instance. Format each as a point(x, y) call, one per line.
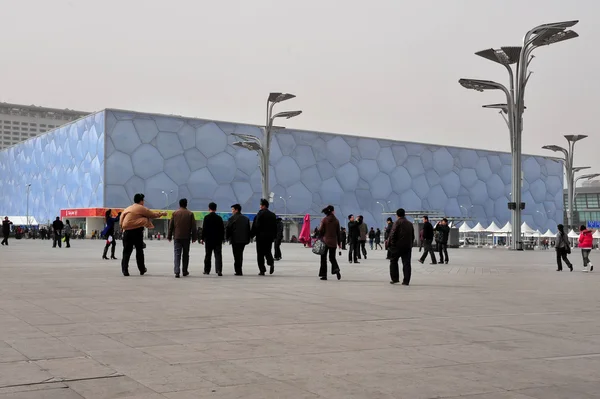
point(384, 68)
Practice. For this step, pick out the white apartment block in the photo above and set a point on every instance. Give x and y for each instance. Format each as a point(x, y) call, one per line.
point(21, 122)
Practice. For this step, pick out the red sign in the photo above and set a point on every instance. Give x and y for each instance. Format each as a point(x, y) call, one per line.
point(85, 212)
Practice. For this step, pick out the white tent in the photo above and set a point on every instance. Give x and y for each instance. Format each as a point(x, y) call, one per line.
point(596, 234)
point(525, 229)
point(573, 234)
point(507, 228)
point(493, 228)
point(464, 228)
point(478, 229)
point(22, 220)
point(548, 234)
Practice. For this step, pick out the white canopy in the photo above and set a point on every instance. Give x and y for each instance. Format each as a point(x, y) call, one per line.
point(573, 234)
point(22, 220)
point(596, 234)
point(548, 234)
point(525, 229)
point(478, 228)
point(493, 228)
point(464, 228)
point(507, 228)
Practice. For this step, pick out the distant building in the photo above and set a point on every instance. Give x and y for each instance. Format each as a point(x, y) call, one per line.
point(21, 122)
point(586, 209)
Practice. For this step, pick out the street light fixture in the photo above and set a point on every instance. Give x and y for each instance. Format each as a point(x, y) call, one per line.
point(542, 35)
point(167, 198)
point(263, 147)
point(285, 202)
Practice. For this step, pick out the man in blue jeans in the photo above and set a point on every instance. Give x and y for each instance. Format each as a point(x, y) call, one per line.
point(182, 228)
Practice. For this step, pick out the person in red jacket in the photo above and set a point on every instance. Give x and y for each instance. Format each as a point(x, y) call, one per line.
point(586, 243)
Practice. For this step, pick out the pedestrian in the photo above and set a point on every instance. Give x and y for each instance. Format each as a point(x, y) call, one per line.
point(278, 239)
point(330, 233)
point(586, 243)
point(5, 230)
point(443, 231)
point(362, 240)
point(371, 238)
point(563, 248)
point(213, 232)
point(57, 227)
point(344, 238)
point(353, 236)
point(109, 233)
point(134, 219)
point(238, 235)
point(400, 246)
point(182, 228)
point(68, 230)
point(378, 239)
point(386, 235)
point(264, 229)
point(427, 241)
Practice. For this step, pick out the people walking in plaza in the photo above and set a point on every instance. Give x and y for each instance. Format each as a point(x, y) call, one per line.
point(330, 233)
point(386, 235)
point(182, 229)
point(378, 239)
point(371, 238)
point(362, 240)
point(400, 245)
point(68, 231)
point(57, 227)
point(563, 248)
point(427, 241)
point(213, 232)
point(5, 230)
point(586, 243)
point(264, 230)
point(109, 233)
point(443, 232)
point(278, 239)
point(353, 236)
point(238, 235)
point(134, 219)
point(344, 238)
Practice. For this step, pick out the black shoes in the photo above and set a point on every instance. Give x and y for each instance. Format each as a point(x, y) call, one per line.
point(126, 274)
point(272, 269)
point(185, 274)
point(433, 263)
point(261, 273)
point(112, 256)
point(324, 278)
point(559, 270)
point(104, 257)
point(394, 282)
point(338, 274)
point(205, 273)
point(404, 283)
point(143, 271)
point(571, 267)
point(357, 262)
point(446, 262)
point(220, 274)
point(421, 261)
point(239, 274)
point(177, 275)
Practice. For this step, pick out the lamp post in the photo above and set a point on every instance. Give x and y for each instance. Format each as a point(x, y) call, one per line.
point(27, 214)
point(167, 198)
point(569, 169)
point(539, 36)
point(285, 202)
point(382, 213)
point(263, 147)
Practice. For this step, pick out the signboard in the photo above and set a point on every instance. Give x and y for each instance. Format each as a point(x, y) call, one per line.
point(593, 224)
point(99, 212)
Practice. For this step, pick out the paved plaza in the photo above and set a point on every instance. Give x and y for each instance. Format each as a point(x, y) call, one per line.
point(492, 324)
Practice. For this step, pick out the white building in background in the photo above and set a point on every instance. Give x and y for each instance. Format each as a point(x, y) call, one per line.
point(21, 122)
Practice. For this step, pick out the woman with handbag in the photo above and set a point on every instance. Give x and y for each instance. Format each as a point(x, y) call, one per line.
point(109, 233)
point(562, 248)
point(331, 238)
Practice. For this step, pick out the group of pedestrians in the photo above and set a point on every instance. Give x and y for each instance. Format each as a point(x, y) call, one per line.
point(563, 248)
point(435, 237)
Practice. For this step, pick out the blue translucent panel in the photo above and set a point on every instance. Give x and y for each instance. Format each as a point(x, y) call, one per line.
point(368, 169)
point(414, 165)
point(531, 169)
point(484, 172)
point(243, 191)
point(554, 184)
point(286, 143)
point(202, 184)
point(221, 167)
point(146, 129)
point(443, 161)
point(187, 136)
point(347, 176)
point(147, 161)
point(538, 191)
point(381, 187)
point(168, 144)
point(386, 160)
point(124, 137)
point(478, 193)
point(311, 178)
point(210, 139)
point(368, 148)
point(177, 169)
point(506, 174)
point(326, 170)
point(432, 178)
point(410, 201)
point(320, 150)
point(495, 164)
point(195, 159)
point(468, 158)
point(287, 171)
point(304, 156)
point(437, 198)
point(168, 124)
point(338, 151)
point(300, 197)
point(420, 186)
point(495, 187)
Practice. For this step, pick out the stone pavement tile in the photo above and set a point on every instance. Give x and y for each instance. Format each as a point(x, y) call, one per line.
point(162, 377)
point(20, 373)
point(141, 339)
point(91, 343)
point(39, 318)
point(253, 348)
point(419, 384)
point(336, 388)
point(43, 348)
point(17, 328)
point(213, 334)
point(491, 395)
point(225, 373)
point(8, 354)
point(33, 387)
point(562, 392)
point(177, 354)
point(407, 357)
point(577, 368)
point(110, 388)
point(119, 359)
point(271, 390)
point(75, 368)
point(54, 393)
point(65, 330)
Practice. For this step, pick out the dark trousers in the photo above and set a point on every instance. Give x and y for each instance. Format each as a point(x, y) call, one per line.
point(428, 250)
point(344, 245)
point(133, 239)
point(353, 251)
point(585, 253)
point(362, 247)
point(182, 255)
point(561, 253)
point(5, 240)
point(278, 248)
point(238, 257)
point(378, 244)
point(405, 255)
point(68, 240)
point(112, 244)
point(443, 251)
point(217, 248)
point(57, 239)
point(334, 265)
point(263, 251)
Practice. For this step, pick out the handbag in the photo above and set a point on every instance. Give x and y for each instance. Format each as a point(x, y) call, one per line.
point(319, 248)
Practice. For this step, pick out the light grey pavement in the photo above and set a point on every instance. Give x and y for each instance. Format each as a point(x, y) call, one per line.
point(492, 324)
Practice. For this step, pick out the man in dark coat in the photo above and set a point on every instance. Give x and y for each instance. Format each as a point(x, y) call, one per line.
point(353, 237)
point(400, 244)
point(264, 229)
point(344, 238)
point(238, 234)
point(212, 238)
point(58, 227)
point(443, 231)
point(386, 234)
point(427, 241)
point(5, 230)
point(278, 239)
